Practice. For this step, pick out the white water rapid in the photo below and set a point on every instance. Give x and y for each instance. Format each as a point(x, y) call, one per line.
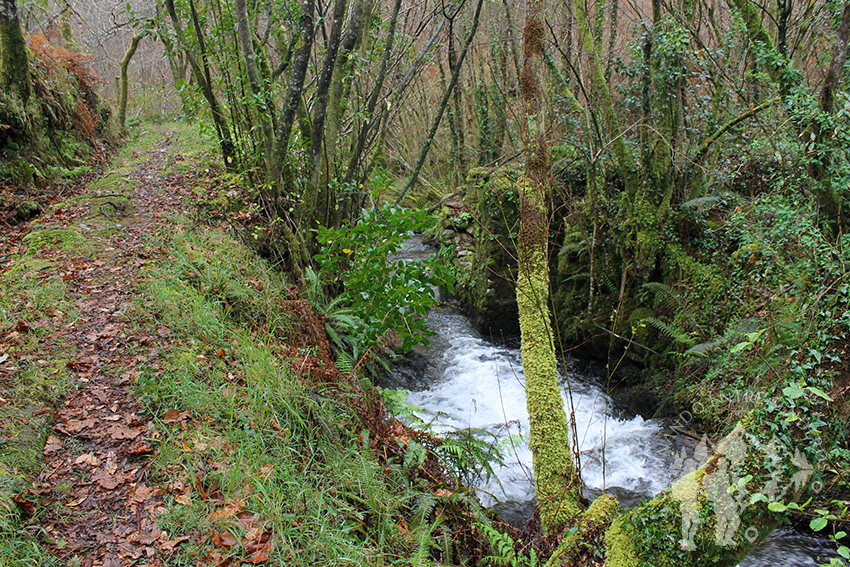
point(462, 380)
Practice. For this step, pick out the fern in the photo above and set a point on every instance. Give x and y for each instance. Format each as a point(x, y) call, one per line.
point(345, 363)
point(702, 350)
point(671, 330)
point(701, 203)
point(664, 295)
point(504, 548)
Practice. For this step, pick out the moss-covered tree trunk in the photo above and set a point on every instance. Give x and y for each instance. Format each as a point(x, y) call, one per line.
point(556, 482)
point(14, 62)
point(124, 90)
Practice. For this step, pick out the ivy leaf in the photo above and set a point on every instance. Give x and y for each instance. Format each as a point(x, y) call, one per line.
point(818, 524)
point(793, 391)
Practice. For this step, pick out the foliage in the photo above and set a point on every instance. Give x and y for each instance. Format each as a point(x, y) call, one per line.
point(62, 126)
point(384, 297)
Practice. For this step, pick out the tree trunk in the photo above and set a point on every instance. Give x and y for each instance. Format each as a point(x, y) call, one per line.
point(423, 154)
point(14, 62)
point(556, 482)
point(300, 62)
point(219, 119)
point(125, 63)
point(246, 43)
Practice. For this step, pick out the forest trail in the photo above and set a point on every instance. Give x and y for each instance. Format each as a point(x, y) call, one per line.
point(97, 504)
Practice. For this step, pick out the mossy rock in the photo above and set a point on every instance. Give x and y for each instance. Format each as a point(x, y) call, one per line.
point(26, 210)
point(477, 239)
point(65, 238)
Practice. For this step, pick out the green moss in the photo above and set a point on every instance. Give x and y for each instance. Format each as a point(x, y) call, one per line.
point(66, 238)
point(556, 483)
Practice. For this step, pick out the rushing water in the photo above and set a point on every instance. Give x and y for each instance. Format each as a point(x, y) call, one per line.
point(463, 380)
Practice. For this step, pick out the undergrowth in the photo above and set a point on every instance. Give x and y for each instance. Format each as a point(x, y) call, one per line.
point(246, 435)
point(62, 126)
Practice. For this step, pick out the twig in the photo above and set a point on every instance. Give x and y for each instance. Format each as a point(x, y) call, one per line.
point(630, 341)
point(107, 215)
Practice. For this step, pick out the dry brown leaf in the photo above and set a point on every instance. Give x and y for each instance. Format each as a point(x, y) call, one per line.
point(119, 431)
point(77, 501)
point(142, 493)
point(230, 509)
point(172, 543)
point(174, 416)
point(87, 459)
point(224, 539)
point(77, 425)
point(104, 479)
point(53, 444)
point(184, 499)
point(111, 463)
point(266, 472)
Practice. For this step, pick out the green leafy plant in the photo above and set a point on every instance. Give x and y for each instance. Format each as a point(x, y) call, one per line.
point(382, 297)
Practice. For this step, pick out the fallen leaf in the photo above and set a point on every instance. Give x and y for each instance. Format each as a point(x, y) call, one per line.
point(144, 539)
point(119, 431)
point(267, 472)
point(87, 459)
point(164, 332)
point(443, 493)
point(184, 499)
point(53, 444)
point(170, 544)
point(230, 509)
point(142, 493)
point(111, 463)
point(225, 539)
point(78, 501)
point(22, 326)
point(173, 416)
point(104, 479)
point(77, 425)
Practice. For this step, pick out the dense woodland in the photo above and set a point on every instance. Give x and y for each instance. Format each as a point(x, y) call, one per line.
point(658, 185)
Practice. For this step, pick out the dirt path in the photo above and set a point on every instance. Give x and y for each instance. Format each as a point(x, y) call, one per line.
point(100, 508)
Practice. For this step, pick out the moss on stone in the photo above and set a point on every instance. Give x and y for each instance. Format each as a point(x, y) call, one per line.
point(477, 236)
point(66, 238)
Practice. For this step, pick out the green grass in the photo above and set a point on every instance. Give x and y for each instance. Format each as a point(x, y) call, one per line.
point(33, 299)
point(264, 443)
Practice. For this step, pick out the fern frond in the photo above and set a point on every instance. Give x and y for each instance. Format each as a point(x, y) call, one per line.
point(664, 295)
point(701, 203)
point(672, 331)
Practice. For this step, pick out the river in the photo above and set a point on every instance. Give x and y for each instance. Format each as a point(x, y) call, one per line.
point(462, 380)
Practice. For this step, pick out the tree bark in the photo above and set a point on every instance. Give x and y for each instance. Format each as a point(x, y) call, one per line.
point(14, 62)
point(125, 63)
point(556, 481)
point(246, 43)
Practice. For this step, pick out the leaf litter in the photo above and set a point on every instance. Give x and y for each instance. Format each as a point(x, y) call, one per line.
point(93, 500)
